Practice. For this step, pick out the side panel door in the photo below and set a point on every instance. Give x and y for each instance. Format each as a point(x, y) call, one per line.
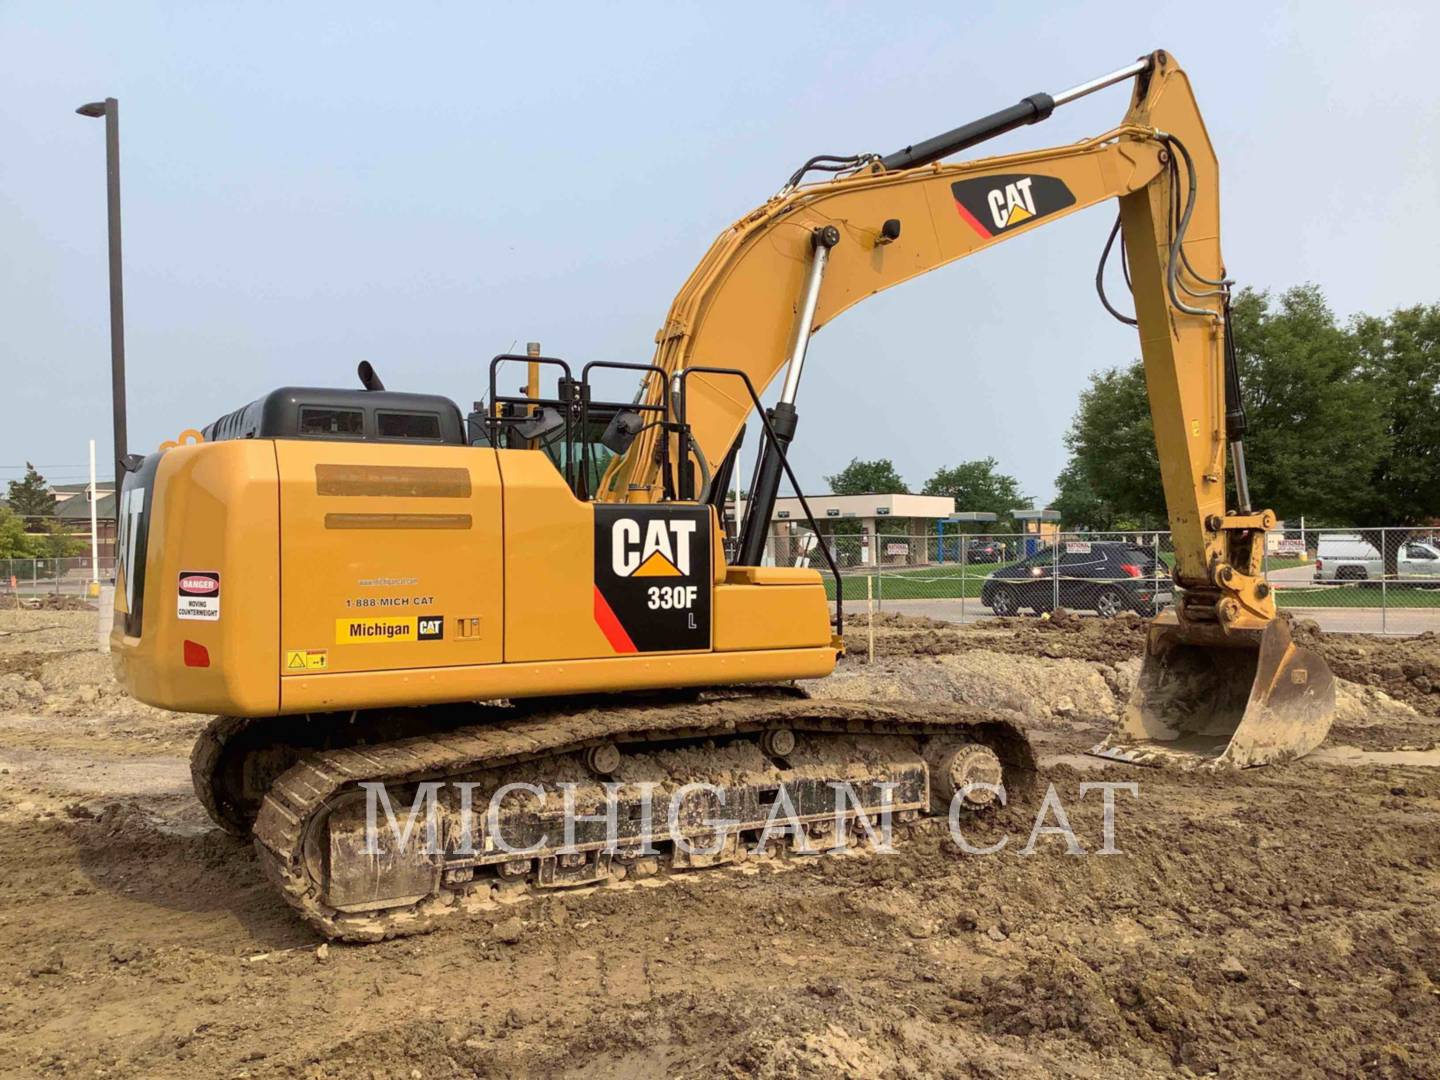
point(390, 557)
point(580, 577)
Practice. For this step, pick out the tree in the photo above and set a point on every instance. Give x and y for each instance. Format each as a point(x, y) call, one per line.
point(1400, 356)
point(877, 477)
point(56, 542)
point(13, 542)
point(1113, 472)
point(1078, 504)
point(1317, 427)
point(976, 485)
point(32, 498)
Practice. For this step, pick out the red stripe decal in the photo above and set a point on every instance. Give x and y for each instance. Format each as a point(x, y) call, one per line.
point(610, 625)
point(973, 220)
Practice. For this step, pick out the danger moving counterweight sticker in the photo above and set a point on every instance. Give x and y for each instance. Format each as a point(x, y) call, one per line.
point(199, 595)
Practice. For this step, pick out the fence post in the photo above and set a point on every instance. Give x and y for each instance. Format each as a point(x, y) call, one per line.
point(1159, 570)
point(879, 573)
point(1384, 578)
point(1055, 571)
point(964, 586)
point(870, 618)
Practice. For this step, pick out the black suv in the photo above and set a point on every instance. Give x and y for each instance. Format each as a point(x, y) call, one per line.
point(983, 551)
point(1104, 576)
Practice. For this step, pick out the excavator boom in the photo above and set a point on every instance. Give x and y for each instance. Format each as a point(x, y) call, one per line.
point(790, 266)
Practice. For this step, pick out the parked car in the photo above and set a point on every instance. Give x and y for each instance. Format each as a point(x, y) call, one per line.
point(1348, 557)
point(985, 551)
point(1106, 577)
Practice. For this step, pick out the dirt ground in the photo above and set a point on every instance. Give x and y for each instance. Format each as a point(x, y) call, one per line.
point(1281, 922)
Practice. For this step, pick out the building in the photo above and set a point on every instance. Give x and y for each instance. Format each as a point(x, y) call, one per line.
point(72, 508)
point(1039, 526)
point(892, 529)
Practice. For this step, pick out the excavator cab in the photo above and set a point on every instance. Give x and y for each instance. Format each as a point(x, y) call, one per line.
point(1212, 697)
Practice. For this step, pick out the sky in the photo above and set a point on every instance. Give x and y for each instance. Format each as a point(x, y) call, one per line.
point(426, 185)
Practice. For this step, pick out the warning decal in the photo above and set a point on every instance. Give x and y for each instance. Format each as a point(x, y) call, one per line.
point(306, 660)
point(199, 595)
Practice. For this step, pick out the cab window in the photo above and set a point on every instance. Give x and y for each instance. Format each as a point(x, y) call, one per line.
point(407, 425)
point(347, 423)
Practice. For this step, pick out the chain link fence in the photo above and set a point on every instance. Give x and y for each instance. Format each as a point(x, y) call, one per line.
point(45, 577)
point(1376, 581)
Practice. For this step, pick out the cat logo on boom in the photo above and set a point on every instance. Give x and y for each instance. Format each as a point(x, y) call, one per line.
point(1011, 204)
point(992, 205)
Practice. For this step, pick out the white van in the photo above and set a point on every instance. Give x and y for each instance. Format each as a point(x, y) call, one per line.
point(1346, 557)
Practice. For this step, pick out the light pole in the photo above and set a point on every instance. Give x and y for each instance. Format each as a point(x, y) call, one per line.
point(110, 110)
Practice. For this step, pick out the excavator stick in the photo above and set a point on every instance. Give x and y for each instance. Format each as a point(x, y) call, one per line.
point(1210, 698)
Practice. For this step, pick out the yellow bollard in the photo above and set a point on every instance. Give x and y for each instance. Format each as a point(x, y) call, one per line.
point(870, 614)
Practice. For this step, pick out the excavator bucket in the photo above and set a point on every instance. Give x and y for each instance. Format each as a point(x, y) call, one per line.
point(1206, 697)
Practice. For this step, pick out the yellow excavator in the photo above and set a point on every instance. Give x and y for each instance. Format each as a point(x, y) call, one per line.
point(368, 587)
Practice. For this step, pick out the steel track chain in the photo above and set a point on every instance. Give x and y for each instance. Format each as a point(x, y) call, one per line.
point(303, 790)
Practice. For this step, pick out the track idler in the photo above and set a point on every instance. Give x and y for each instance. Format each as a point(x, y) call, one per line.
point(1211, 697)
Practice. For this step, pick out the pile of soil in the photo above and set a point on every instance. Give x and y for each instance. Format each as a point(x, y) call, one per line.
point(1407, 669)
point(1060, 635)
point(1075, 673)
point(60, 602)
point(57, 691)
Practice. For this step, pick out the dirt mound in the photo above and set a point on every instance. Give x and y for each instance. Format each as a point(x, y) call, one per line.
point(1060, 636)
point(1074, 672)
point(60, 602)
point(26, 664)
point(1043, 690)
point(74, 684)
point(1371, 719)
point(896, 621)
point(1407, 669)
point(46, 630)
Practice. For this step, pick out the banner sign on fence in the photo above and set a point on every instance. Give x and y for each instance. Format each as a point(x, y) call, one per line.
point(897, 549)
point(1077, 547)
